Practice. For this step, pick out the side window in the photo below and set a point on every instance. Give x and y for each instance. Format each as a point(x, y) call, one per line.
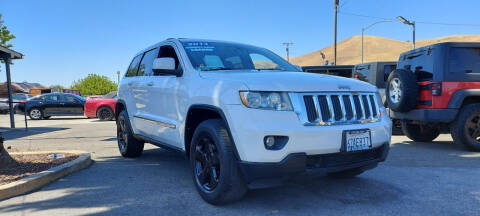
point(53, 98)
point(147, 63)
point(262, 62)
point(169, 51)
point(69, 98)
point(132, 69)
point(464, 60)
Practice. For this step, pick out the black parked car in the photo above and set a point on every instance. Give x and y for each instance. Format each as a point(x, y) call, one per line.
point(53, 104)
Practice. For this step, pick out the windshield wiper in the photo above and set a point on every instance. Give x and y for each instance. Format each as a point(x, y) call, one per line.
point(216, 69)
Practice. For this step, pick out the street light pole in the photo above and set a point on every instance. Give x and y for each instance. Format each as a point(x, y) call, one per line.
point(287, 48)
point(406, 22)
point(118, 77)
point(365, 28)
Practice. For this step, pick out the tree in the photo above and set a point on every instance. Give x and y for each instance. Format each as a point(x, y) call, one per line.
point(94, 84)
point(5, 34)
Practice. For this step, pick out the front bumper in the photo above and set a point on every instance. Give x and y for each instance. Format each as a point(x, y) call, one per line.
point(300, 162)
point(250, 126)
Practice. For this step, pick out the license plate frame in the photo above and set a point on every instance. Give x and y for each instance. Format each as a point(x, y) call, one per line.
point(349, 145)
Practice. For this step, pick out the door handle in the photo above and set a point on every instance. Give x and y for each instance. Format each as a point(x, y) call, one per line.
point(150, 84)
point(130, 84)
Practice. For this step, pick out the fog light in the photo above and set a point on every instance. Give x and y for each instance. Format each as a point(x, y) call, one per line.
point(269, 141)
point(275, 142)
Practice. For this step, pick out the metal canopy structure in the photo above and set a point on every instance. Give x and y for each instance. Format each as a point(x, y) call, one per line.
point(7, 55)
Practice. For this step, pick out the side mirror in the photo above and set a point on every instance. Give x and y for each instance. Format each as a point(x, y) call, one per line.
point(165, 65)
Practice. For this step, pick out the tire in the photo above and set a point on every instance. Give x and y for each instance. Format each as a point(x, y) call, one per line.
point(105, 114)
point(128, 145)
point(401, 90)
point(350, 173)
point(215, 171)
point(466, 128)
point(420, 132)
point(397, 127)
point(35, 113)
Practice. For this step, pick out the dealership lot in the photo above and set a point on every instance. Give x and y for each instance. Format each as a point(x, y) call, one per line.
point(417, 178)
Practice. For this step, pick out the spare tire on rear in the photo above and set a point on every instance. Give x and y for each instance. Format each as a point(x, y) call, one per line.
point(401, 90)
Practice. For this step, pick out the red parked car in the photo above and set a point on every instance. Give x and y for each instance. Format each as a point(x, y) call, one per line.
point(102, 108)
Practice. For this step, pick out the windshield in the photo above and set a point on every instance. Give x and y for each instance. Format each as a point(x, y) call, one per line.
point(211, 56)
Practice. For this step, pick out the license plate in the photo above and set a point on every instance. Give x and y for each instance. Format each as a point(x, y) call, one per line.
point(357, 140)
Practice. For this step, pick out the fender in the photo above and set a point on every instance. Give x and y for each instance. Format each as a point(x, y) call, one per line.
point(222, 115)
point(459, 96)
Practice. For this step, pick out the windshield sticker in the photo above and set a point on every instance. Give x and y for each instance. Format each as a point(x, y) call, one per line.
point(199, 47)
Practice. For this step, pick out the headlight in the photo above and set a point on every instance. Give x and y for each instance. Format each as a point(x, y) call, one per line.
point(266, 100)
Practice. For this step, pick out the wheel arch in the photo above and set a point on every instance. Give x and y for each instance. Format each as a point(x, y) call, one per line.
point(198, 113)
point(463, 97)
point(119, 106)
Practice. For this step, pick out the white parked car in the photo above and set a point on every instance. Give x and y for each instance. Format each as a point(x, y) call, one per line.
point(247, 118)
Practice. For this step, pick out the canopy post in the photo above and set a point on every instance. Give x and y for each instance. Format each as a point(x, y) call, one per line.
point(9, 89)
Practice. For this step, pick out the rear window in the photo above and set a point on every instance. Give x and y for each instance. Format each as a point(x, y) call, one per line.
point(363, 73)
point(464, 60)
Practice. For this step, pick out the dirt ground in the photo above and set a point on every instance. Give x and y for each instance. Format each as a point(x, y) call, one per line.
point(26, 165)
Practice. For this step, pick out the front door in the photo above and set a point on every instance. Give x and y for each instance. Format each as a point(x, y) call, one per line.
point(163, 95)
point(52, 105)
point(72, 105)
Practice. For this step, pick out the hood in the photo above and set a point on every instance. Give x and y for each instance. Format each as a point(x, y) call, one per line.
point(290, 81)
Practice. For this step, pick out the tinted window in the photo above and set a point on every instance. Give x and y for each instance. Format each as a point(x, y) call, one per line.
point(147, 63)
point(132, 69)
point(464, 60)
point(52, 97)
point(362, 73)
point(19, 97)
point(70, 98)
point(169, 51)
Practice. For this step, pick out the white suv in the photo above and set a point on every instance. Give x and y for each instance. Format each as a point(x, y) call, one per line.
point(247, 118)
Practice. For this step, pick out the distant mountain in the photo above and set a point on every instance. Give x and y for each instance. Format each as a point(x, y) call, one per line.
point(375, 49)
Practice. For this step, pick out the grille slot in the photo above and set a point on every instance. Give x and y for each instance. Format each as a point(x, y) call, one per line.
point(339, 108)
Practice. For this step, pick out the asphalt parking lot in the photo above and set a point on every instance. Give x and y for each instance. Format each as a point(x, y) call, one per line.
point(436, 178)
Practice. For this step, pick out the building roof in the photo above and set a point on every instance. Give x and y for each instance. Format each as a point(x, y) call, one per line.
point(8, 53)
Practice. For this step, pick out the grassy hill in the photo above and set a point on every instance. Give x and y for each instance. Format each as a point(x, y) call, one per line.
point(375, 49)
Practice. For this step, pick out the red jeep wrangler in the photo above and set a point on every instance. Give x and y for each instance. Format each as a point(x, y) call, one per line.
point(436, 89)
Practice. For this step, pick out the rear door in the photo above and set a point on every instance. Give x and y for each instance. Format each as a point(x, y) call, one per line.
point(128, 86)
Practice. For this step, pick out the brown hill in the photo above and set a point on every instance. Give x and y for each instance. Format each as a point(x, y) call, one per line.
point(375, 49)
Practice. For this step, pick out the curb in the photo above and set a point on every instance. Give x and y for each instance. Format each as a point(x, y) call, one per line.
point(38, 180)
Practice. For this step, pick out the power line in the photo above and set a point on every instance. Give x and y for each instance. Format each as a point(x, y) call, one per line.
point(429, 23)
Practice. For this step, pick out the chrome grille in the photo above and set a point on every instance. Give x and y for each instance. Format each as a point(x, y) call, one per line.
point(336, 108)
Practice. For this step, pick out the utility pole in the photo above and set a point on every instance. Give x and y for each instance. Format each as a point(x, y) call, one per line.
point(335, 7)
point(118, 77)
point(287, 48)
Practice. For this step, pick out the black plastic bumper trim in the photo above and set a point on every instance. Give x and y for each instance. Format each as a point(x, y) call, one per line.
point(296, 163)
point(426, 115)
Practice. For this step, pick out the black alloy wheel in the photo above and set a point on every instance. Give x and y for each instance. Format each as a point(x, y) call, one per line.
point(207, 163)
point(465, 129)
point(105, 114)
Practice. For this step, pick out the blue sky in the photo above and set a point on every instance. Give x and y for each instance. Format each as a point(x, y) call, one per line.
point(65, 40)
